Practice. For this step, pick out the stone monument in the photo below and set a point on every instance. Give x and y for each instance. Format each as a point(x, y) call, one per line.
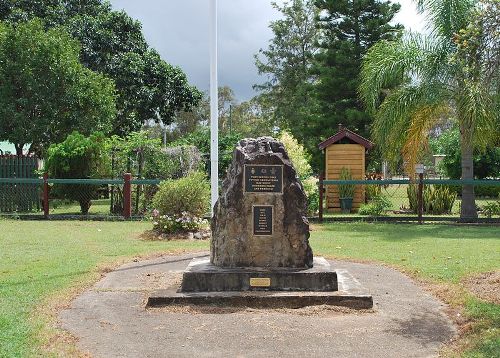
point(260, 219)
point(260, 254)
point(260, 231)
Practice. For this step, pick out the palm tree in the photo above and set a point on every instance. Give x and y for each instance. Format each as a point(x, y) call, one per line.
point(441, 73)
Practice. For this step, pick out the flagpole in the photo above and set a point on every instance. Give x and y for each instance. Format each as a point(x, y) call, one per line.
point(214, 115)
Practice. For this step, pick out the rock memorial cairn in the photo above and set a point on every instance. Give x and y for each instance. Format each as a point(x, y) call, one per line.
point(260, 219)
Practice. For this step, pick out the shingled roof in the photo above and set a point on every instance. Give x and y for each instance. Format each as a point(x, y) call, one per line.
point(351, 136)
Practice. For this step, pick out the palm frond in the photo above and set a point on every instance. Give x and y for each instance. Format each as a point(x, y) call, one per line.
point(414, 57)
point(416, 141)
point(446, 17)
point(401, 108)
point(477, 114)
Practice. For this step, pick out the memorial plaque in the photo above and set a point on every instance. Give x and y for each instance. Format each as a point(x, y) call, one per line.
point(263, 178)
point(260, 281)
point(262, 220)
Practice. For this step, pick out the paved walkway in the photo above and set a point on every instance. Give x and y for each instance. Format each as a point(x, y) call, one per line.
point(110, 320)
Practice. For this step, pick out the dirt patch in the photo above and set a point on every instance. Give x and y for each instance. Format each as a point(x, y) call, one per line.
point(485, 286)
point(303, 311)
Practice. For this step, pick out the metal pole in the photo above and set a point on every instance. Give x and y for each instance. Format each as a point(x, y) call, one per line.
point(214, 115)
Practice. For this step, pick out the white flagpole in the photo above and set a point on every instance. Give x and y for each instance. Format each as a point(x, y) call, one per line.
point(214, 115)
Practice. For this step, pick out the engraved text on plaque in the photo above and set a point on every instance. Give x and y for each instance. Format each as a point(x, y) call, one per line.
point(263, 178)
point(262, 220)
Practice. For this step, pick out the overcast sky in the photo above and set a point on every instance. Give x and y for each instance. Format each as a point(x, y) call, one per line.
point(178, 30)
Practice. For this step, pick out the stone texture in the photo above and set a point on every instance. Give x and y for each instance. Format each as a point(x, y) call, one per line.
point(202, 276)
point(233, 243)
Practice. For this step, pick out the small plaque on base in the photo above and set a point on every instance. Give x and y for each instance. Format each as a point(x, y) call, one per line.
point(260, 282)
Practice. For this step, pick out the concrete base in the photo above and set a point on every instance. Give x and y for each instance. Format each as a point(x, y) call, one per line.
point(202, 276)
point(350, 294)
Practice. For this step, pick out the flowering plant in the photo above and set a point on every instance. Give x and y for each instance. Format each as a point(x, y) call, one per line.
point(176, 223)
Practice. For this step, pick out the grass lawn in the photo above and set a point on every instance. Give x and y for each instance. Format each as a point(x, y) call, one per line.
point(42, 262)
point(443, 255)
point(39, 260)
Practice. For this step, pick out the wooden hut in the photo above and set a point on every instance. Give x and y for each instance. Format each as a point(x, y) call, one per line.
point(344, 149)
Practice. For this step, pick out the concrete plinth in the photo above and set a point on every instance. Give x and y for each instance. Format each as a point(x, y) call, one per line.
point(350, 294)
point(202, 276)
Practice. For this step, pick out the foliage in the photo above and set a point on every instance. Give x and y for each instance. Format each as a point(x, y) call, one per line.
point(437, 199)
point(77, 157)
point(442, 73)
point(486, 162)
point(113, 45)
point(285, 95)
point(297, 154)
point(201, 140)
point(145, 157)
point(246, 118)
point(180, 202)
point(45, 93)
point(491, 208)
point(185, 222)
point(348, 30)
point(312, 192)
point(377, 206)
point(373, 191)
point(346, 190)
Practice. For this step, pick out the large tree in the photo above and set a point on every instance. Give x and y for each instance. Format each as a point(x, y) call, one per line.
point(45, 92)
point(313, 62)
point(348, 29)
point(113, 44)
point(443, 73)
point(286, 93)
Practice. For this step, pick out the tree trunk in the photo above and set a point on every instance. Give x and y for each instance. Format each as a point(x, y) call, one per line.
point(468, 210)
point(19, 149)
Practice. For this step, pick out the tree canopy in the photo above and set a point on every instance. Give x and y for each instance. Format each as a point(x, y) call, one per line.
point(313, 63)
point(112, 43)
point(440, 74)
point(45, 92)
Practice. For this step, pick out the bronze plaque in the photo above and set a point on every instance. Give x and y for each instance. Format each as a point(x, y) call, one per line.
point(260, 282)
point(263, 178)
point(262, 220)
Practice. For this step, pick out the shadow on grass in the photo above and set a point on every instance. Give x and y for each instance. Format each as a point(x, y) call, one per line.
point(408, 232)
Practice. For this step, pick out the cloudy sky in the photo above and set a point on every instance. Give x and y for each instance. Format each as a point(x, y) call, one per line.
point(178, 30)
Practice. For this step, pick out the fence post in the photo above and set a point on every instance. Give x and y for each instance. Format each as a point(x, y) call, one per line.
point(420, 197)
point(321, 178)
point(46, 195)
point(127, 194)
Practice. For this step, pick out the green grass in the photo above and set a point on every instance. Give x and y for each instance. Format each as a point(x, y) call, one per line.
point(100, 207)
point(43, 260)
point(398, 197)
point(40, 259)
point(440, 253)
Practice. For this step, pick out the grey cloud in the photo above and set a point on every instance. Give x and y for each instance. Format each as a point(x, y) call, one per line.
point(178, 29)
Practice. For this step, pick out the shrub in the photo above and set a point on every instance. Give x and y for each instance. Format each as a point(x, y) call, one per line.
point(376, 207)
point(312, 192)
point(491, 209)
point(179, 203)
point(77, 157)
point(346, 190)
point(437, 199)
point(297, 154)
